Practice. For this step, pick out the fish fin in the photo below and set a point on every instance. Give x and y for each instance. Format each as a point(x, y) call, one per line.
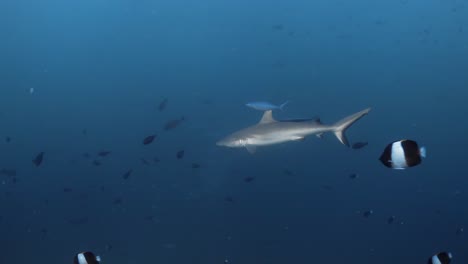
point(283, 104)
point(320, 135)
point(422, 150)
point(340, 127)
point(251, 149)
point(267, 117)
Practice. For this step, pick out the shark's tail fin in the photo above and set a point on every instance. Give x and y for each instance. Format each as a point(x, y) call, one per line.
point(339, 128)
point(283, 104)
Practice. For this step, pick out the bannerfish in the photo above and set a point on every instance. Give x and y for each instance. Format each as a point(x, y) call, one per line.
point(149, 139)
point(38, 159)
point(265, 106)
point(86, 258)
point(440, 258)
point(402, 154)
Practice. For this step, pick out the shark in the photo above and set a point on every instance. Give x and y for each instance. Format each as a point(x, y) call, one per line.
point(270, 131)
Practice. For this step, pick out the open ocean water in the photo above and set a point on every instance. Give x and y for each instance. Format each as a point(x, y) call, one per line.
point(82, 78)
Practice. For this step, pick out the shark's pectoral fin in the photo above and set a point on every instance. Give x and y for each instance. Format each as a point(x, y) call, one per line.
point(251, 149)
point(320, 135)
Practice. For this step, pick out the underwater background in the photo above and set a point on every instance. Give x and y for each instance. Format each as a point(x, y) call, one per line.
point(78, 78)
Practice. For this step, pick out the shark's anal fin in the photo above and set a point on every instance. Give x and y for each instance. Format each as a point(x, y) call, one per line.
point(267, 117)
point(251, 149)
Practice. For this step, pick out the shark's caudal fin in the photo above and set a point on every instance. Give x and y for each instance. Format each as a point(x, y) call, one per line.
point(339, 128)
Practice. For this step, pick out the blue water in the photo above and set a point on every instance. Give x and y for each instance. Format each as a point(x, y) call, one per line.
point(105, 66)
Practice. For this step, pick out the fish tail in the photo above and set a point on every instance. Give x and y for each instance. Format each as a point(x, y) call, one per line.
point(283, 104)
point(340, 127)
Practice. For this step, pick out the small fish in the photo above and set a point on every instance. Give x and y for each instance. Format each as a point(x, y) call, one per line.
point(8, 139)
point(78, 220)
point(67, 190)
point(31, 90)
point(353, 176)
point(265, 106)
point(149, 139)
point(84, 132)
point(163, 105)
point(195, 166)
point(118, 201)
point(402, 154)
point(249, 179)
point(44, 232)
point(288, 172)
point(277, 27)
point(180, 154)
point(97, 163)
point(103, 153)
point(366, 214)
point(460, 231)
point(171, 124)
point(156, 160)
point(38, 159)
point(390, 220)
point(229, 199)
point(86, 155)
point(359, 145)
point(144, 161)
point(441, 258)
point(127, 174)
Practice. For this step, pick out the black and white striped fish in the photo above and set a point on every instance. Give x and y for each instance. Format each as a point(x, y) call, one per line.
point(402, 154)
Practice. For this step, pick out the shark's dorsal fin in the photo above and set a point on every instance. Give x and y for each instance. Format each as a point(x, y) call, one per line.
point(267, 117)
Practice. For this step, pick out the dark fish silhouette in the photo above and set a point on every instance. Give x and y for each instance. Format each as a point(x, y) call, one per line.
point(103, 153)
point(44, 232)
point(8, 139)
point(277, 27)
point(180, 154)
point(195, 166)
point(144, 161)
point(97, 163)
point(78, 220)
point(229, 199)
point(359, 145)
point(171, 124)
point(118, 201)
point(67, 189)
point(38, 159)
point(149, 139)
point(127, 174)
point(86, 155)
point(288, 172)
point(249, 179)
point(390, 220)
point(366, 214)
point(163, 104)
point(353, 176)
point(84, 132)
point(9, 173)
point(156, 160)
